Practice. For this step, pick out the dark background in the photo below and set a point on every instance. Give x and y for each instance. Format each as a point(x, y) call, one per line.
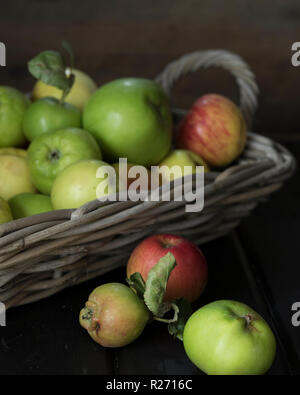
point(259, 264)
point(138, 38)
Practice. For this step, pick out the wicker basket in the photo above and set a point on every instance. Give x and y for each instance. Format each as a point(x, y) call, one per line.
point(45, 253)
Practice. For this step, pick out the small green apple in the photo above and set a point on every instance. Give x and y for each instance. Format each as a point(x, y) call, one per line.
point(130, 118)
point(181, 159)
point(5, 213)
point(47, 115)
point(27, 204)
point(229, 338)
point(14, 175)
point(77, 184)
point(52, 152)
point(13, 105)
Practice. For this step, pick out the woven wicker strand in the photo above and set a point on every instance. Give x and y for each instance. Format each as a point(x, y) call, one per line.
point(44, 254)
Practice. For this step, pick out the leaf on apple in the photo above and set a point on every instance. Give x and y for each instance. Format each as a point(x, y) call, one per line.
point(184, 312)
point(136, 282)
point(50, 67)
point(156, 285)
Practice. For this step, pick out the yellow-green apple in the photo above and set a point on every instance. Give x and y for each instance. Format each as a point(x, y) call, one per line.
point(185, 163)
point(52, 152)
point(213, 128)
point(189, 277)
point(47, 115)
point(14, 175)
point(12, 108)
point(114, 315)
point(5, 213)
point(27, 204)
point(80, 92)
point(226, 337)
point(78, 184)
point(130, 118)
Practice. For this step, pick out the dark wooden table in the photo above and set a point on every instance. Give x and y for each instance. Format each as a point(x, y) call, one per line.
point(258, 264)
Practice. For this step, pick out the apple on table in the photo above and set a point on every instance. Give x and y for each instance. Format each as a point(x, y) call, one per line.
point(114, 315)
point(189, 277)
point(226, 337)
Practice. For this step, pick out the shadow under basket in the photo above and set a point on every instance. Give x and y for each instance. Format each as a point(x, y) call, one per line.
point(45, 253)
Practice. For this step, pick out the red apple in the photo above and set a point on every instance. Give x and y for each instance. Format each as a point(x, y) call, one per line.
point(213, 128)
point(189, 277)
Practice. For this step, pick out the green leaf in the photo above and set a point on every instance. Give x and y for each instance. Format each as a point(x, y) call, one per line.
point(156, 284)
point(50, 67)
point(137, 283)
point(185, 310)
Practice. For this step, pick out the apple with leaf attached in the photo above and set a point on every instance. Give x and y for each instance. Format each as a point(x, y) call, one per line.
point(58, 80)
point(188, 279)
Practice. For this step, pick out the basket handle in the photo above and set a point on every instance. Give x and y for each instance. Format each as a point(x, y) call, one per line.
point(229, 61)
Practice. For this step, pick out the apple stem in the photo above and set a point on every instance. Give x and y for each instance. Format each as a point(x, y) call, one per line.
point(163, 320)
point(248, 318)
point(169, 321)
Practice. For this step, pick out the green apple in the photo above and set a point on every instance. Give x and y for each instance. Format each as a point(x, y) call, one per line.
point(14, 175)
point(130, 118)
point(27, 204)
point(180, 158)
point(229, 338)
point(52, 152)
point(12, 108)
point(77, 184)
point(5, 213)
point(47, 115)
